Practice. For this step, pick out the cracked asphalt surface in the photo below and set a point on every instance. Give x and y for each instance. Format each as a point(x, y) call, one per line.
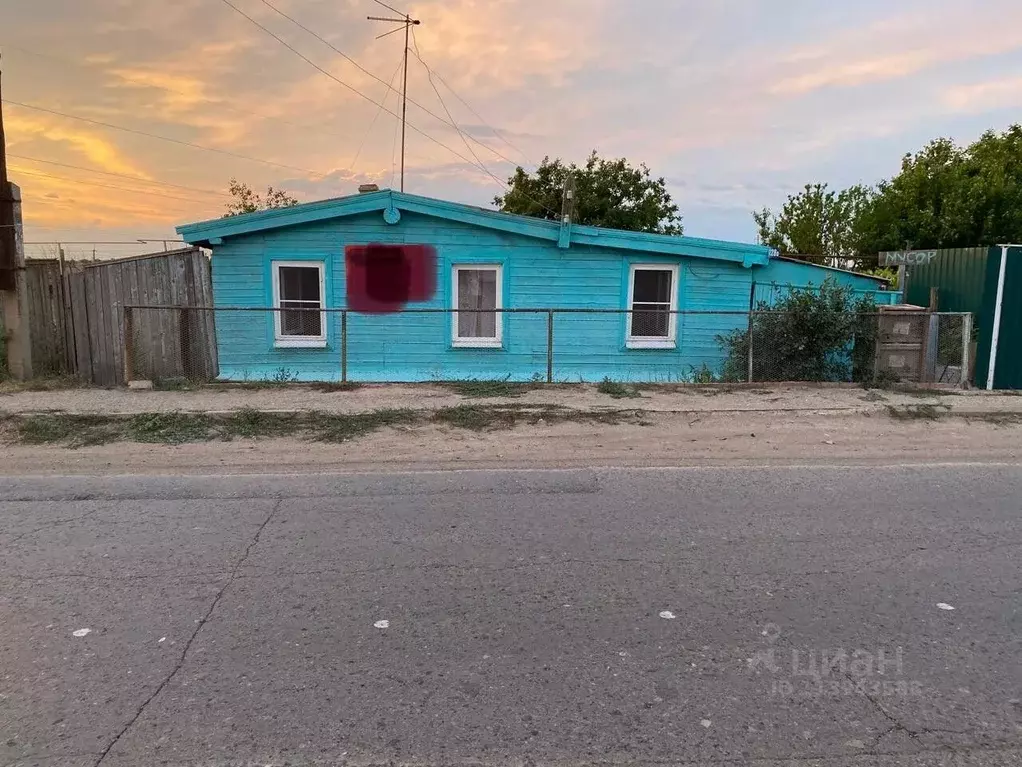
point(686, 616)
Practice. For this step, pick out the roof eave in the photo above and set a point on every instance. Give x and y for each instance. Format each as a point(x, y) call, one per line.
point(252, 223)
point(213, 232)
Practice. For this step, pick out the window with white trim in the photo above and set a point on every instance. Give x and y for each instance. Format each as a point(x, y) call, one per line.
point(477, 293)
point(652, 297)
point(298, 288)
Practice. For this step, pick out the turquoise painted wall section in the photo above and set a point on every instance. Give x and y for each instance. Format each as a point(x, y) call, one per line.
point(417, 347)
point(776, 279)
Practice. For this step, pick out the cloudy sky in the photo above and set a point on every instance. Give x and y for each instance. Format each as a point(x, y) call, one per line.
point(735, 102)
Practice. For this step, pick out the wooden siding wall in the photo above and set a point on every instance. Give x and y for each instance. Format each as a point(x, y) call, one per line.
point(77, 316)
point(417, 347)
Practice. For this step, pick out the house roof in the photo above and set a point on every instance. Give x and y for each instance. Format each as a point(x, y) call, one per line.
point(875, 278)
point(391, 204)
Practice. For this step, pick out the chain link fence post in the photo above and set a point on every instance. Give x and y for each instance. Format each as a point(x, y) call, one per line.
point(966, 381)
point(550, 346)
point(752, 325)
point(344, 346)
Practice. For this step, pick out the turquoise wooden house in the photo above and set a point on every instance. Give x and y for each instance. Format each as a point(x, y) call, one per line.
point(632, 304)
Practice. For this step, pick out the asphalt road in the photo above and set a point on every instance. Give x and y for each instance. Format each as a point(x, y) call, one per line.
point(575, 617)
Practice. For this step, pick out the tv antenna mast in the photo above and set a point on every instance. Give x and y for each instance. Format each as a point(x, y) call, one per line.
point(406, 22)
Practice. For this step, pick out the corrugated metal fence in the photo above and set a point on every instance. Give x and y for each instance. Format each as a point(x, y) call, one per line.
point(77, 320)
point(966, 280)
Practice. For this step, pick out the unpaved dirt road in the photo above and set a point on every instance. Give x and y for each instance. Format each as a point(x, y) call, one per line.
point(668, 439)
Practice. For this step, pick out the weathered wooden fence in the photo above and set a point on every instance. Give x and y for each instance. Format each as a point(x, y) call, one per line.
point(77, 320)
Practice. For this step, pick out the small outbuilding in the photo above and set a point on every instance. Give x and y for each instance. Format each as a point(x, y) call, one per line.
point(626, 305)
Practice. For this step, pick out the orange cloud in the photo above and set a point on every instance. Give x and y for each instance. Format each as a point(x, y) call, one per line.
point(26, 129)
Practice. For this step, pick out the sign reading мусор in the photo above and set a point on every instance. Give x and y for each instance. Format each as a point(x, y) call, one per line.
point(907, 257)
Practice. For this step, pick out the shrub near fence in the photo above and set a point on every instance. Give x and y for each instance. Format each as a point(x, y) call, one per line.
point(825, 334)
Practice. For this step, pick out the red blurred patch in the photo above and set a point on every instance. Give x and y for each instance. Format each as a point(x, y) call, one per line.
point(383, 278)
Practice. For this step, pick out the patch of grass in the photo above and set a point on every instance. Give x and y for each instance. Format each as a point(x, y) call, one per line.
point(178, 428)
point(996, 418)
point(43, 383)
point(617, 390)
point(474, 417)
point(498, 388)
point(70, 430)
point(923, 393)
point(172, 384)
point(925, 412)
point(885, 379)
point(249, 386)
point(342, 427)
point(328, 387)
point(251, 424)
point(872, 395)
point(171, 428)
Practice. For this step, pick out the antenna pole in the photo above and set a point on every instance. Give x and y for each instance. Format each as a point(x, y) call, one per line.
point(404, 103)
point(407, 22)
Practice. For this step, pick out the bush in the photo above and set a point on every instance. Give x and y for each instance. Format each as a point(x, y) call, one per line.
point(812, 334)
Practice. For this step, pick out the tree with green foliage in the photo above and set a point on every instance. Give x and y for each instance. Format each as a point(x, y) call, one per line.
point(817, 224)
point(947, 196)
point(812, 334)
point(944, 196)
point(244, 200)
point(608, 193)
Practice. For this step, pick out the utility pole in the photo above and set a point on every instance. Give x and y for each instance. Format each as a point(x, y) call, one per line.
point(407, 22)
point(7, 233)
point(13, 294)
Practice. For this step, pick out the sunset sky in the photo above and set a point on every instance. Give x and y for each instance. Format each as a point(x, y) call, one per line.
point(736, 102)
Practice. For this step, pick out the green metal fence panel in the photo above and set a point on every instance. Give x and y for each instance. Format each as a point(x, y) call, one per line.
point(960, 274)
point(1008, 370)
point(966, 281)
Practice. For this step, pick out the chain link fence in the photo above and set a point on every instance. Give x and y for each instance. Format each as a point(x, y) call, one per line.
point(655, 345)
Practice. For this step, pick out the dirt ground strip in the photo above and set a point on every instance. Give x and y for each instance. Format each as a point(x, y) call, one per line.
point(668, 439)
point(436, 396)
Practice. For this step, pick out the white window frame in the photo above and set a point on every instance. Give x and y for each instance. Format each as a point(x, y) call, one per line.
point(298, 342)
point(653, 342)
point(465, 342)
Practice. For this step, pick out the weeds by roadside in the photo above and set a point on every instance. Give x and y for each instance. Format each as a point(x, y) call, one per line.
point(43, 383)
point(502, 387)
point(617, 390)
point(925, 412)
point(330, 387)
point(995, 418)
point(177, 428)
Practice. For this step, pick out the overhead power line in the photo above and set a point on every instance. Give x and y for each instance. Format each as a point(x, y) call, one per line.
point(346, 57)
point(355, 90)
point(376, 117)
point(468, 146)
point(120, 175)
point(464, 103)
point(147, 84)
point(140, 240)
point(137, 132)
point(146, 192)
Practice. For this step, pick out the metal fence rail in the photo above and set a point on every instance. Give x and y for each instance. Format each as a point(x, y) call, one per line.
point(547, 344)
